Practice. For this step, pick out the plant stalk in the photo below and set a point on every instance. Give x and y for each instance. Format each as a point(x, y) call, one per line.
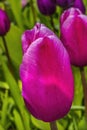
point(53, 125)
point(6, 49)
point(84, 83)
point(8, 56)
point(52, 23)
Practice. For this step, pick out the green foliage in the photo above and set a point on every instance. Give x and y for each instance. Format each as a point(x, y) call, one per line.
point(16, 9)
point(13, 114)
point(40, 124)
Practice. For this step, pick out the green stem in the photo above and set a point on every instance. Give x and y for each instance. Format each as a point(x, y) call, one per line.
point(77, 108)
point(83, 78)
point(52, 23)
point(6, 49)
point(75, 124)
point(53, 125)
point(33, 10)
point(8, 56)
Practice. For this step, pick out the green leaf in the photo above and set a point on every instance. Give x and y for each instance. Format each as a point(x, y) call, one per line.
point(4, 85)
point(15, 91)
point(1, 128)
point(17, 120)
point(82, 124)
point(40, 124)
point(78, 96)
point(4, 109)
point(13, 40)
point(44, 125)
point(60, 127)
point(13, 87)
point(15, 6)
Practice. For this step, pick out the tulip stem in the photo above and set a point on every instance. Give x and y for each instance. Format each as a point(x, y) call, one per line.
point(84, 83)
point(6, 49)
point(52, 23)
point(33, 10)
point(53, 125)
point(7, 54)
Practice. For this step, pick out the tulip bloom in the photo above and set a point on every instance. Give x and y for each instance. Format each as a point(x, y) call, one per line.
point(74, 35)
point(4, 23)
point(46, 74)
point(46, 7)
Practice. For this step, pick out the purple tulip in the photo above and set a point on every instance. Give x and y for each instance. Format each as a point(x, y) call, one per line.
point(74, 35)
point(46, 7)
point(46, 74)
point(4, 23)
point(79, 4)
point(71, 3)
point(65, 3)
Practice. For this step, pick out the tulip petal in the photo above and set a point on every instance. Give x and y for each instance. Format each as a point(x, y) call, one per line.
point(80, 5)
point(69, 12)
point(30, 35)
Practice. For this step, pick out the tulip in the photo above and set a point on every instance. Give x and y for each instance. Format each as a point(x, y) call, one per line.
point(71, 3)
point(47, 80)
point(65, 3)
point(46, 7)
point(74, 35)
point(79, 4)
point(4, 23)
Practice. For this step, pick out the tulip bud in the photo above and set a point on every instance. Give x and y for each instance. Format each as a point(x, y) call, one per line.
point(46, 75)
point(46, 7)
point(4, 23)
point(74, 35)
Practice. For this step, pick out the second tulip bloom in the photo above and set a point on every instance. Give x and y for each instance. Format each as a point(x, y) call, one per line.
point(74, 35)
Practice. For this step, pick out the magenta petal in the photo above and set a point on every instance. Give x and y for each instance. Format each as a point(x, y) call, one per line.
point(29, 36)
point(74, 38)
point(47, 79)
point(80, 5)
point(69, 12)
